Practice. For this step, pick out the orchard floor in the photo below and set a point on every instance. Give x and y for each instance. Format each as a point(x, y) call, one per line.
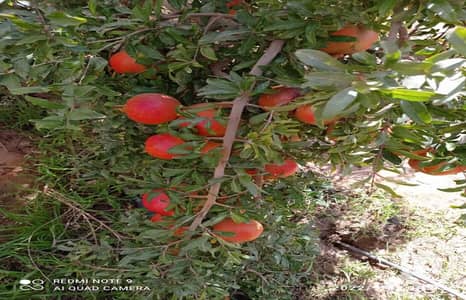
point(421, 231)
point(15, 182)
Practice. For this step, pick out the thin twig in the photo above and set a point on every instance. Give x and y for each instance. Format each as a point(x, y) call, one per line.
point(43, 22)
point(269, 121)
point(57, 196)
point(232, 127)
point(29, 240)
point(258, 274)
point(94, 235)
point(86, 69)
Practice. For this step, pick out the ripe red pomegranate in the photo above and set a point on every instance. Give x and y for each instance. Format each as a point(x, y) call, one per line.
point(287, 168)
point(305, 114)
point(243, 232)
point(159, 145)
point(209, 146)
point(209, 126)
point(157, 203)
point(434, 169)
point(364, 40)
point(151, 109)
point(156, 218)
point(122, 63)
point(280, 96)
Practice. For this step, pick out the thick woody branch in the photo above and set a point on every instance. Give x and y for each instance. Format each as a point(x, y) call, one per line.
point(232, 127)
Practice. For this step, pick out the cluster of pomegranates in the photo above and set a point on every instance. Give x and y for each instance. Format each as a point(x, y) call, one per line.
point(154, 109)
point(435, 169)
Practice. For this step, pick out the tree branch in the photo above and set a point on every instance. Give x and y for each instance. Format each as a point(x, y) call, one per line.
point(232, 127)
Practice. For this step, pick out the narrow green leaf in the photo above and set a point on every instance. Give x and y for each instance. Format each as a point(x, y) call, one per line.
point(409, 95)
point(237, 218)
point(44, 103)
point(259, 118)
point(392, 52)
point(29, 90)
point(365, 57)
point(457, 38)
point(387, 189)
point(454, 189)
point(150, 52)
point(386, 6)
point(84, 114)
point(63, 19)
point(223, 36)
point(92, 4)
point(219, 89)
point(51, 122)
point(338, 103)
point(22, 67)
point(208, 52)
point(319, 60)
point(444, 10)
point(326, 80)
point(416, 111)
point(246, 181)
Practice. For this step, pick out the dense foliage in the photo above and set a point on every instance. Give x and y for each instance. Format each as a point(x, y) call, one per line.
point(375, 107)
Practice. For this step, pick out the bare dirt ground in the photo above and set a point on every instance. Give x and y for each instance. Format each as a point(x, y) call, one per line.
point(15, 182)
point(438, 249)
point(419, 231)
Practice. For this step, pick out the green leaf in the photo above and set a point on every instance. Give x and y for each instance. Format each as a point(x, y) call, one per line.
point(11, 81)
point(238, 218)
point(92, 4)
point(365, 57)
point(399, 182)
point(223, 36)
point(259, 118)
point(22, 67)
point(150, 52)
point(29, 90)
point(338, 103)
point(412, 68)
point(21, 23)
point(284, 25)
point(143, 11)
point(409, 95)
point(457, 38)
point(416, 111)
point(388, 155)
point(327, 80)
point(30, 39)
point(387, 189)
point(319, 60)
point(246, 181)
point(84, 114)
point(386, 6)
point(454, 189)
point(51, 122)
point(444, 10)
point(392, 52)
point(63, 19)
point(208, 52)
point(219, 89)
point(44, 103)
